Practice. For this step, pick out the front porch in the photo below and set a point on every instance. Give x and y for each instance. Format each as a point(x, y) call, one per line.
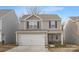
point(55, 39)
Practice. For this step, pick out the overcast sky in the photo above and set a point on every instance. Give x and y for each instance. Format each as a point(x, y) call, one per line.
point(63, 11)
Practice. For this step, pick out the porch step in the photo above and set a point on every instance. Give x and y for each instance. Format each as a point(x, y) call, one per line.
point(52, 46)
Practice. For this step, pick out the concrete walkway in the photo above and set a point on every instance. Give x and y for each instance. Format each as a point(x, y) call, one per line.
point(41, 49)
point(29, 49)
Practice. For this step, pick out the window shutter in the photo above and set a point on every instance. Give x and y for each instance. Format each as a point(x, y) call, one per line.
point(27, 24)
point(38, 24)
point(49, 24)
point(56, 36)
point(55, 24)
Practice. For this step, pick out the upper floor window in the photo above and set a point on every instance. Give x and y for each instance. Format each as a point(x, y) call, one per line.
point(53, 24)
point(33, 24)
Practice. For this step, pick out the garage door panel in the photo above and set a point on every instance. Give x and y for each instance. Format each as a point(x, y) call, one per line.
point(23, 40)
point(31, 39)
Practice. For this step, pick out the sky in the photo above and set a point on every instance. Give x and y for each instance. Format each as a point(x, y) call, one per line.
point(63, 11)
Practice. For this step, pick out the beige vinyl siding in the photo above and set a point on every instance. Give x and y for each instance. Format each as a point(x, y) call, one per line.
point(59, 26)
point(45, 25)
point(22, 25)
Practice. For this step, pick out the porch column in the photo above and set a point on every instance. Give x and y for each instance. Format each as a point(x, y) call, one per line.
point(62, 39)
point(46, 40)
point(16, 38)
point(25, 25)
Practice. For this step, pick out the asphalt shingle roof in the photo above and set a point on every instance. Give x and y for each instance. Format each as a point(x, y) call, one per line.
point(74, 17)
point(4, 11)
point(44, 16)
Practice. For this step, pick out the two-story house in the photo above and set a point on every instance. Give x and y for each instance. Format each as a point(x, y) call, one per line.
point(8, 26)
point(42, 29)
point(71, 30)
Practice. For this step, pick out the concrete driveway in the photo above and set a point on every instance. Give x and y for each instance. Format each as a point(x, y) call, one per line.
point(29, 49)
point(40, 49)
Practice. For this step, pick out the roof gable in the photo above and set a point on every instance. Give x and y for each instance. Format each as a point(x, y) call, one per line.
point(33, 17)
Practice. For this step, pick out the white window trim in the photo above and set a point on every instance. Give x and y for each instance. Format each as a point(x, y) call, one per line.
point(34, 26)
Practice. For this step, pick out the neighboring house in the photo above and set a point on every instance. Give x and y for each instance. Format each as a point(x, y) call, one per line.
point(8, 26)
point(71, 30)
point(40, 29)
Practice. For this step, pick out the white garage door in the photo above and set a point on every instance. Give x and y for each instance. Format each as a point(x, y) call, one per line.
point(31, 39)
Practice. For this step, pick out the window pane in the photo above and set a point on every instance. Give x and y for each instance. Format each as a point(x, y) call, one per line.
point(33, 24)
point(52, 24)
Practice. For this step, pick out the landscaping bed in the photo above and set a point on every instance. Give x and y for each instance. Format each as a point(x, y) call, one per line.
point(64, 48)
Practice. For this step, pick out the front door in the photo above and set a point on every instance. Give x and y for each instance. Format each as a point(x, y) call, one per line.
point(50, 39)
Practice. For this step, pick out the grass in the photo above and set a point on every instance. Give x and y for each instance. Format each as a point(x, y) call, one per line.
point(4, 48)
